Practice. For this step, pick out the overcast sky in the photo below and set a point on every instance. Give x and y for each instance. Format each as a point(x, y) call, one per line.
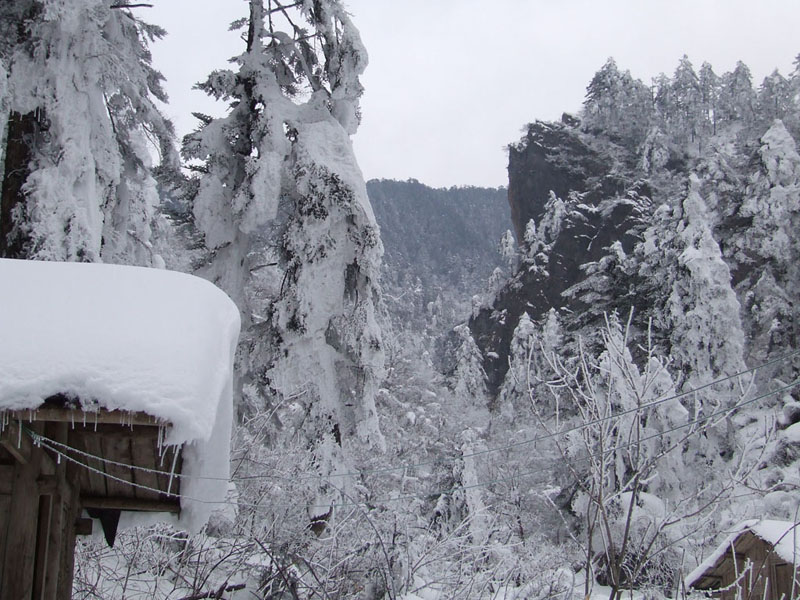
point(452, 82)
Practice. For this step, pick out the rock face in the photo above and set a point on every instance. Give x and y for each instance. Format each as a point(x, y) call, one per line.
point(600, 207)
point(552, 157)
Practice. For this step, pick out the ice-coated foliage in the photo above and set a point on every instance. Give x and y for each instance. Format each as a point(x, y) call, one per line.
point(290, 234)
point(707, 337)
point(81, 92)
point(469, 380)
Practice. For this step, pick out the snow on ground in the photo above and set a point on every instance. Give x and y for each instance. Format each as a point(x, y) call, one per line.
point(126, 338)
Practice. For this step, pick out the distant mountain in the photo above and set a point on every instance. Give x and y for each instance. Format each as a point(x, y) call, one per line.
point(439, 243)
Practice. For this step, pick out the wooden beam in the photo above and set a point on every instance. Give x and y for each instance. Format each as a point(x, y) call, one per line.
point(117, 503)
point(84, 526)
point(81, 417)
point(17, 442)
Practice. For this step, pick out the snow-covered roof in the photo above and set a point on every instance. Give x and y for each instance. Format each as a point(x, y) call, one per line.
point(784, 536)
point(125, 338)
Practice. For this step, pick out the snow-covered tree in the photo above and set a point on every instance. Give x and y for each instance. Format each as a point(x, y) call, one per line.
point(638, 490)
point(618, 104)
point(687, 100)
point(469, 378)
point(775, 97)
point(709, 96)
point(768, 250)
point(523, 366)
point(82, 124)
point(279, 183)
point(706, 332)
point(508, 250)
point(737, 99)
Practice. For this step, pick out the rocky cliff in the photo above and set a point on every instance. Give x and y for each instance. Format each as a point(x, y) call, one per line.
point(599, 204)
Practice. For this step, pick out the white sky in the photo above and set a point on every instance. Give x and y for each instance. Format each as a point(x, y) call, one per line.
point(452, 82)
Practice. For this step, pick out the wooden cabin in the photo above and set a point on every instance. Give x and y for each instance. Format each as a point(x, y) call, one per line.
point(57, 465)
point(108, 375)
point(760, 560)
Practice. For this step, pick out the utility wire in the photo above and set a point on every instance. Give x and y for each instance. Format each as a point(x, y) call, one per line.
point(511, 446)
point(47, 443)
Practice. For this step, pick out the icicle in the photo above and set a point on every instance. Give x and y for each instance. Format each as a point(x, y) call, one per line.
point(19, 434)
point(95, 421)
point(172, 470)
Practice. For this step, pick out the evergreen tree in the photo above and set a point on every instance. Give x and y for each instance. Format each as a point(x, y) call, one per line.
point(78, 183)
point(768, 250)
point(469, 379)
point(687, 98)
point(280, 183)
point(775, 97)
point(737, 100)
point(618, 105)
point(709, 97)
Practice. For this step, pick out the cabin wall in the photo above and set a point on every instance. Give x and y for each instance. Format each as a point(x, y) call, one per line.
point(768, 578)
point(38, 508)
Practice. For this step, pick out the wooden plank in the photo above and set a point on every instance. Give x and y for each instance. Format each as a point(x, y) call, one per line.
point(5, 509)
point(81, 417)
point(84, 526)
point(144, 454)
point(58, 432)
point(71, 508)
point(20, 552)
point(43, 531)
point(55, 544)
point(118, 450)
point(6, 478)
point(91, 480)
point(126, 503)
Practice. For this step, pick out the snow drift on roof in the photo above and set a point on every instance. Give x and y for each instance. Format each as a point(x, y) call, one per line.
point(125, 338)
point(784, 536)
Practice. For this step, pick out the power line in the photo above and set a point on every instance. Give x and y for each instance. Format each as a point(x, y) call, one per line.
point(46, 442)
point(411, 466)
point(510, 446)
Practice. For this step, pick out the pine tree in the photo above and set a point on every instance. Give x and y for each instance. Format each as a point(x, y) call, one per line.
point(768, 250)
point(775, 98)
point(737, 100)
point(523, 367)
point(687, 98)
point(709, 98)
point(618, 105)
point(78, 182)
point(469, 377)
point(279, 183)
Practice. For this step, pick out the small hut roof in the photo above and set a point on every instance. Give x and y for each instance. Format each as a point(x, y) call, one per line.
point(124, 338)
point(783, 536)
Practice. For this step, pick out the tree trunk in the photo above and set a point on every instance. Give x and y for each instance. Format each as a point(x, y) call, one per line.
point(18, 155)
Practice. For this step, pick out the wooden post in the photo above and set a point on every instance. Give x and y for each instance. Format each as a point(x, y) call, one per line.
point(66, 566)
point(59, 432)
point(20, 553)
point(43, 530)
